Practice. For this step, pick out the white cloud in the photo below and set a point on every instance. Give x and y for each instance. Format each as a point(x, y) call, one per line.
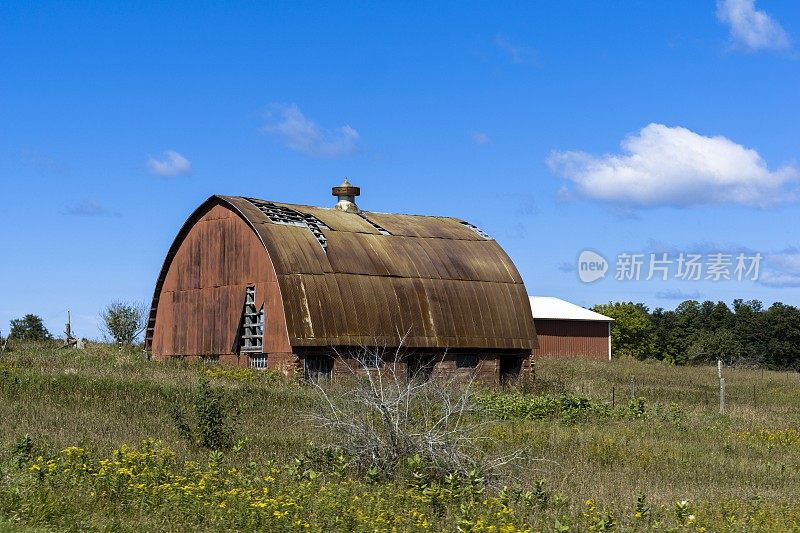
point(677, 167)
point(480, 138)
point(305, 136)
point(519, 55)
point(171, 164)
point(781, 269)
point(750, 28)
point(88, 208)
point(677, 294)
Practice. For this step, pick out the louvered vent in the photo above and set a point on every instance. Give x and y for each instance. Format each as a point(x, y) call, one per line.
point(251, 333)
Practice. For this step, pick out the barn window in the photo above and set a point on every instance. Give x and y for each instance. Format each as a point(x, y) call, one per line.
point(370, 359)
point(466, 360)
point(318, 366)
point(420, 366)
point(251, 332)
point(258, 361)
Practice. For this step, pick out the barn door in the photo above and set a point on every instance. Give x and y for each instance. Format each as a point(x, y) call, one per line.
point(510, 367)
point(420, 366)
point(318, 366)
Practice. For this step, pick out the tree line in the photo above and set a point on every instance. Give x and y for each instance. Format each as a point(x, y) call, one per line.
point(745, 334)
point(121, 322)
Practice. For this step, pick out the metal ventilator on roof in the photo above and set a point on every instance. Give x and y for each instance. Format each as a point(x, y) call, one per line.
point(279, 214)
point(477, 230)
point(375, 225)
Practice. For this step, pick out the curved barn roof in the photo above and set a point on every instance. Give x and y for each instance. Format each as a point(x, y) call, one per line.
point(367, 278)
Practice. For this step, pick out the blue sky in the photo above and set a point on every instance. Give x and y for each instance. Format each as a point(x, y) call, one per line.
point(638, 127)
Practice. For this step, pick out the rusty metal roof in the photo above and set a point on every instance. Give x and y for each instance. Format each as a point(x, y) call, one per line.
point(435, 279)
point(367, 278)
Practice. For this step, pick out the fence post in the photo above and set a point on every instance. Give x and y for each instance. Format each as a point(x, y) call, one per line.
point(613, 399)
point(722, 396)
point(633, 387)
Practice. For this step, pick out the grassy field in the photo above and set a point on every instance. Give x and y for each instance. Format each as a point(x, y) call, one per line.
point(666, 461)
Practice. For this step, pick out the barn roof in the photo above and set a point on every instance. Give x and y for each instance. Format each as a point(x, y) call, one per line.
point(551, 308)
point(365, 278)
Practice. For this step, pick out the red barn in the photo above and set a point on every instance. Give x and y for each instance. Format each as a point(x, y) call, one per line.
point(568, 330)
point(293, 287)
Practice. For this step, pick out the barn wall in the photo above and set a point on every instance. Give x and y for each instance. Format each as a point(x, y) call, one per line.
point(568, 338)
point(201, 299)
point(487, 370)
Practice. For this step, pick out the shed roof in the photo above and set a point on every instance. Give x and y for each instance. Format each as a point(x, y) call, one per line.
point(369, 278)
point(552, 308)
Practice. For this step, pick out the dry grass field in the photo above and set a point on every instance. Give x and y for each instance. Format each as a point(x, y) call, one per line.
point(72, 458)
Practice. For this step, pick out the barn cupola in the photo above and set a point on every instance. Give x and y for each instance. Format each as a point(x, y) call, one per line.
point(346, 193)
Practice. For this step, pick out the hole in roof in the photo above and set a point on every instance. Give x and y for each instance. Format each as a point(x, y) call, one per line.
point(279, 214)
point(375, 225)
point(477, 230)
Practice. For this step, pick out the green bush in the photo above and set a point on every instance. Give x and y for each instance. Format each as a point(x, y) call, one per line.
point(566, 407)
point(214, 418)
point(123, 322)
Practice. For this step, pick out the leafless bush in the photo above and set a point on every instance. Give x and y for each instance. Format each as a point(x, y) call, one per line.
point(384, 417)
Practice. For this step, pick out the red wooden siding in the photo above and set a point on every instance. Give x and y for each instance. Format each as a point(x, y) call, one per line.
point(571, 338)
point(200, 303)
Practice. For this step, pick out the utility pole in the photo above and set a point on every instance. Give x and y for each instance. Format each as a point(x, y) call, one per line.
point(70, 341)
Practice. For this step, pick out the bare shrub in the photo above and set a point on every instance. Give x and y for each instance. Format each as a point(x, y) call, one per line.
point(385, 418)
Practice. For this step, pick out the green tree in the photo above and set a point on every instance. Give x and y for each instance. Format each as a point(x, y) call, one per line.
point(664, 330)
point(708, 346)
point(751, 328)
point(123, 322)
point(30, 327)
point(714, 316)
point(631, 332)
point(783, 327)
point(687, 323)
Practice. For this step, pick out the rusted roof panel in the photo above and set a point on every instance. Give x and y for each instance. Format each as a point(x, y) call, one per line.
point(335, 219)
point(371, 309)
point(432, 278)
point(423, 226)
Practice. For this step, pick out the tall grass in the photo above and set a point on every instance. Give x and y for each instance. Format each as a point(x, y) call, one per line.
point(675, 447)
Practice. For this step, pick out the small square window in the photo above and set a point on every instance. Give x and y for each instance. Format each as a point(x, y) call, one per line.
point(258, 361)
point(370, 359)
point(466, 361)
